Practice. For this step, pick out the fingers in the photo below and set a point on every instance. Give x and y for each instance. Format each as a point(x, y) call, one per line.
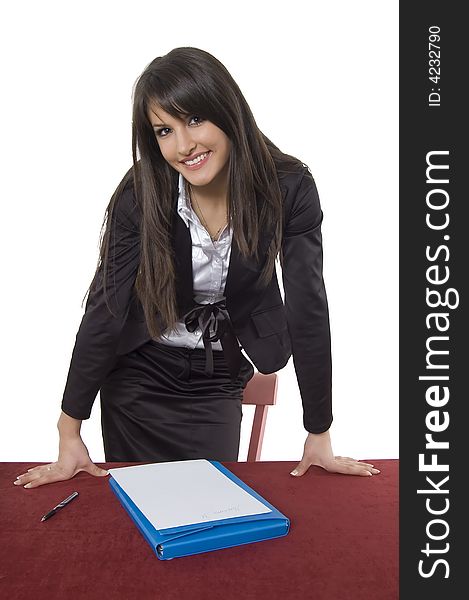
point(364, 467)
point(336, 464)
point(57, 471)
point(93, 469)
point(353, 460)
point(33, 476)
point(356, 463)
point(342, 465)
point(300, 468)
point(354, 467)
point(35, 468)
point(41, 475)
point(363, 471)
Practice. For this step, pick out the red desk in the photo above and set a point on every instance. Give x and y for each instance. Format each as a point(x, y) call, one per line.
point(342, 545)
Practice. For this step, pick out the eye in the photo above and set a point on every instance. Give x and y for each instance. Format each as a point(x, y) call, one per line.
point(199, 119)
point(159, 132)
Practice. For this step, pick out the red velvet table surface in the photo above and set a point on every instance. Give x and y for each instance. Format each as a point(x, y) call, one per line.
point(342, 544)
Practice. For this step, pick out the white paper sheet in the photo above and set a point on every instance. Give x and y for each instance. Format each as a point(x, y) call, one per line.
point(172, 494)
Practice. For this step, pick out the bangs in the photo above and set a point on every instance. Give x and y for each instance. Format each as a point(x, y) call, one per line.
point(176, 97)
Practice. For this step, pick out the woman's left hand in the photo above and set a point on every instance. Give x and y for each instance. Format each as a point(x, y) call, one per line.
point(318, 452)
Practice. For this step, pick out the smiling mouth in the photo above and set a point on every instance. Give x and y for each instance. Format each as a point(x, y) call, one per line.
point(198, 161)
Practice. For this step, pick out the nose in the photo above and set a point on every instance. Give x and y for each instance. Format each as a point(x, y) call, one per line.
point(185, 143)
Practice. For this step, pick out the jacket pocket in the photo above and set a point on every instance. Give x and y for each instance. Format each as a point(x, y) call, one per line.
point(270, 321)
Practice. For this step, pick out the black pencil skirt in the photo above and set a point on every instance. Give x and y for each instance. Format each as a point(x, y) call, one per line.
point(157, 404)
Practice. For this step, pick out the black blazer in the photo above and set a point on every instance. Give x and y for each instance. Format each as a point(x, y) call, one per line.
point(269, 330)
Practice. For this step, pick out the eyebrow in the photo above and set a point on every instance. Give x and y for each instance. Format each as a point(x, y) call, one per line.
point(155, 125)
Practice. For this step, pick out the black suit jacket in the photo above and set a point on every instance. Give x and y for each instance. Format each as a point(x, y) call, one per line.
point(269, 329)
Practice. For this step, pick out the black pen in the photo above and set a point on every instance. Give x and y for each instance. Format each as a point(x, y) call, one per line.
point(59, 506)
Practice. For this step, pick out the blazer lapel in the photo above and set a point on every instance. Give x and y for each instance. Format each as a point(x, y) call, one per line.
point(242, 273)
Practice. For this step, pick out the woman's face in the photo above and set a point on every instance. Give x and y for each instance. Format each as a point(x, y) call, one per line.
point(183, 139)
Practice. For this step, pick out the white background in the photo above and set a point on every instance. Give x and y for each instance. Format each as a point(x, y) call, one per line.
point(321, 80)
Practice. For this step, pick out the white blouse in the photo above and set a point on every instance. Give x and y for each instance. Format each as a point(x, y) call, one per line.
point(210, 262)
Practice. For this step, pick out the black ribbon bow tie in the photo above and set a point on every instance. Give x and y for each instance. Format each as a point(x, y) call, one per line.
point(215, 317)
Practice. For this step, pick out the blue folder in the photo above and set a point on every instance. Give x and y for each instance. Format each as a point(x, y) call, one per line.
point(196, 538)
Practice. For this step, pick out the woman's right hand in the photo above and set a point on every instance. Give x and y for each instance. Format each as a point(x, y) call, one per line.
point(73, 458)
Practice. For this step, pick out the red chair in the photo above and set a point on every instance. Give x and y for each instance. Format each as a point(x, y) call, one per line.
point(261, 391)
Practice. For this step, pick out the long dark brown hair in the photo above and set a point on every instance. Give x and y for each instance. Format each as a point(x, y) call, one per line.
point(190, 81)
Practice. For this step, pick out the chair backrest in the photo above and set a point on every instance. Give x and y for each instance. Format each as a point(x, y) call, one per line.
point(261, 391)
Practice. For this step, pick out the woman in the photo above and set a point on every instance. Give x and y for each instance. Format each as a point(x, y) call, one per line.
point(186, 278)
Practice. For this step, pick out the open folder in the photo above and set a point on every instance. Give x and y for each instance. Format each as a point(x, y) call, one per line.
point(193, 506)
